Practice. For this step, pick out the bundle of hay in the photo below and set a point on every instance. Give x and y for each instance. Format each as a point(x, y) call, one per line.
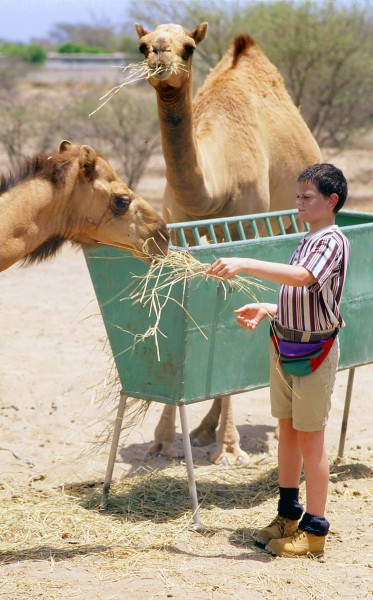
point(154, 289)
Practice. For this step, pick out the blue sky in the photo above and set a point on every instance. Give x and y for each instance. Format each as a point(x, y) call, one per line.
point(22, 20)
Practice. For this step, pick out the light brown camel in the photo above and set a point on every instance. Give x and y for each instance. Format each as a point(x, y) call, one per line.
point(73, 195)
point(236, 149)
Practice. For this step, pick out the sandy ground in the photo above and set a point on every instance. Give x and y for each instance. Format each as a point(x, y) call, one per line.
point(54, 403)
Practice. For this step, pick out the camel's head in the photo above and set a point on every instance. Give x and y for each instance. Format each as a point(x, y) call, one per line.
point(168, 51)
point(103, 210)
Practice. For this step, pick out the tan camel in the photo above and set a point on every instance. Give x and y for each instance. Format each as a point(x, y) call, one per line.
point(73, 195)
point(236, 149)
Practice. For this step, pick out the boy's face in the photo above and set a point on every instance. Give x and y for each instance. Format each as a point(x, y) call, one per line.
point(313, 207)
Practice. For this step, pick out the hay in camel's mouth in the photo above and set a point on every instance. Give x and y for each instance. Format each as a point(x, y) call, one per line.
point(136, 72)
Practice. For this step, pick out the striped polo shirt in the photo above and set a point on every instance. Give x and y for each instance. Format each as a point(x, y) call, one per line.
point(316, 307)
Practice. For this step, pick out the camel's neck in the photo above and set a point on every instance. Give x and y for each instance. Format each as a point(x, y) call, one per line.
point(183, 170)
point(26, 220)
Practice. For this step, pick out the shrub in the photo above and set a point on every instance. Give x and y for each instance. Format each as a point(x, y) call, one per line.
point(77, 48)
point(31, 53)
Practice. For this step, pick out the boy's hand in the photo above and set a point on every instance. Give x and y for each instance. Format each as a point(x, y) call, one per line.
point(227, 267)
point(250, 315)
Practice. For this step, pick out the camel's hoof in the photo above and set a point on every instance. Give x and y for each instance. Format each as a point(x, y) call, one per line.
point(226, 458)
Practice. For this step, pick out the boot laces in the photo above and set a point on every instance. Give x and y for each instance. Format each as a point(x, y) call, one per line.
point(280, 522)
point(298, 533)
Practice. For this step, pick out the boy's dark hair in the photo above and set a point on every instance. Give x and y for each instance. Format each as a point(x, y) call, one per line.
point(328, 180)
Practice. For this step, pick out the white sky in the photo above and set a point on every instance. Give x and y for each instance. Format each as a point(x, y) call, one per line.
point(22, 20)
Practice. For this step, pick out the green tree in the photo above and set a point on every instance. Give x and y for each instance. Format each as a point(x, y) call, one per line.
point(30, 53)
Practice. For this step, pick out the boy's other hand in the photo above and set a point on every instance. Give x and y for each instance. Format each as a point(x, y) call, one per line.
point(250, 315)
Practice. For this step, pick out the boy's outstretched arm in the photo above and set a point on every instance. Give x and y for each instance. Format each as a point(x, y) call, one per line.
point(251, 315)
point(293, 275)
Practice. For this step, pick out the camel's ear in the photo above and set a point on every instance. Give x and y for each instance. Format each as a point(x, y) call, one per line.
point(64, 145)
point(140, 30)
point(199, 33)
point(87, 161)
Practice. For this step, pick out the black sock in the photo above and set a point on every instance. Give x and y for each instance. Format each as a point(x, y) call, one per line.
point(314, 524)
point(288, 505)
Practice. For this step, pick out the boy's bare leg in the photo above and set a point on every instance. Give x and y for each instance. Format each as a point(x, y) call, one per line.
point(316, 470)
point(296, 447)
point(289, 455)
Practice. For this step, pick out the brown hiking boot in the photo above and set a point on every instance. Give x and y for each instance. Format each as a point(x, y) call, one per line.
point(301, 543)
point(280, 527)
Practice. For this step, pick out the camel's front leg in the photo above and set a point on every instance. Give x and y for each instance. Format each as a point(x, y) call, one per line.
point(164, 434)
point(227, 437)
point(205, 433)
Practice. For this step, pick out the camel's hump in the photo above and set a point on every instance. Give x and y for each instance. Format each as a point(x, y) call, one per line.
point(240, 46)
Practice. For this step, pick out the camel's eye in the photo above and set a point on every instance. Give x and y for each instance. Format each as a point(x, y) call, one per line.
point(119, 205)
point(143, 49)
point(188, 50)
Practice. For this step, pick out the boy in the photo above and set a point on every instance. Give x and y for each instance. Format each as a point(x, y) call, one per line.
point(304, 352)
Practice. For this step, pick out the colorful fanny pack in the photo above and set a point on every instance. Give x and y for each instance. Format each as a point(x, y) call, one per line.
point(302, 358)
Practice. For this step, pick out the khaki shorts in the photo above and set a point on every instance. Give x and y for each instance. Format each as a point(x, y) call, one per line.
point(305, 399)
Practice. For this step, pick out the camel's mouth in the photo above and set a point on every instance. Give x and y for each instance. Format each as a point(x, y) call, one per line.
point(161, 73)
point(146, 252)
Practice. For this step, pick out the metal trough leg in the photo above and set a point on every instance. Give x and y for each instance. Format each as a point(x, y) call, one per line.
point(113, 451)
point(189, 464)
point(346, 411)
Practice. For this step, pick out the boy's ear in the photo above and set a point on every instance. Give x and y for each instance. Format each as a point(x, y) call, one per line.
point(333, 199)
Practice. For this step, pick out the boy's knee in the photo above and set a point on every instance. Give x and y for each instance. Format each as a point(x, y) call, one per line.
point(310, 440)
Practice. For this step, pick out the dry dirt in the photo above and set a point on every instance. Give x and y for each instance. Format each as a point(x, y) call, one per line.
point(55, 401)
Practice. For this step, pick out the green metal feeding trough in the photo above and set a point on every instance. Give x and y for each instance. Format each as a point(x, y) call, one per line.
point(199, 351)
